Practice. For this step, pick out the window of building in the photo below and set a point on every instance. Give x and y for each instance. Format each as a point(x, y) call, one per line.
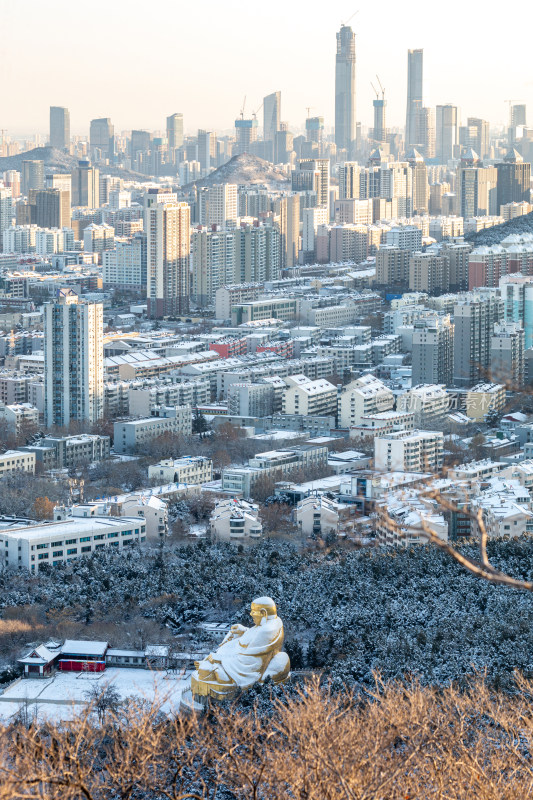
point(72, 551)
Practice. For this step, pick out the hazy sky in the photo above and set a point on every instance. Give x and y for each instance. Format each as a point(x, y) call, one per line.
point(137, 61)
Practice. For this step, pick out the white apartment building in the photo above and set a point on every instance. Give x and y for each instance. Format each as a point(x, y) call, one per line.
point(409, 451)
point(213, 263)
point(429, 403)
point(361, 397)
point(307, 397)
point(228, 296)
point(16, 461)
point(275, 464)
point(187, 469)
point(18, 415)
point(218, 205)
point(312, 218)
point(68, 539)
point(381, 423)
point(401, 518)
point(73, 360)
point(143, 399)
point(125, 266)
point(129, 437)
point(235, 521)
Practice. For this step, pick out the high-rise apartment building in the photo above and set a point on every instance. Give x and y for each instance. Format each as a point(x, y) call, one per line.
point(32, 175)
point(319, 166)
point(167, 228)
point(271, 116)
point(478, 136)
point(429, 273)
point(345, 121)
point(474, 317)
point(476, 186)
point(218, 205)
point(514, 180)
point(6, 212)
point(213, 263)
point(59, 127)
point(102, 137)
point(174, 132)
point(419, 182)
point(283, 145)
point(392, 266)
point(257, 253)
point(125, 266)
point(517, 294)
point(73, 360)
point(349, 181)
point(433, 351)
point(415, 82)
point(289, 225)
point(85, 185)
point(446, 132)
point(507, 354)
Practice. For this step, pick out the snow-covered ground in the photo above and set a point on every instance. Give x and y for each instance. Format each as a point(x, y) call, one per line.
point(63, 695)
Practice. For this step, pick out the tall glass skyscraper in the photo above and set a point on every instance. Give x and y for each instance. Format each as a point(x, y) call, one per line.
point(59, 127)
point(415, 80)
point(345, 90)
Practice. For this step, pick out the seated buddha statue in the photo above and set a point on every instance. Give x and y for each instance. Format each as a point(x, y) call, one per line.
point(245, 656)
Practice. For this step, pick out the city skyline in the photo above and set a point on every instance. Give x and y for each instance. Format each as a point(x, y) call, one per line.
point(252, 65)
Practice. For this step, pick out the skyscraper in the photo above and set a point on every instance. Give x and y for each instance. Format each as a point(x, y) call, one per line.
point(271, 116)
point(476, 186)
point(102, 137)
point(345, 133)
point(52, 208)
point(474, 317)
point(174, 133)
point(425, 131)
point(59, 127)
point(168, 249)
point(6, 212)
point(415, 83)
point(446, 132)
point(85, 185)
point(207, 150)
point(246, 133)
point(73, 360)
point(32, 175)
point(379, 133)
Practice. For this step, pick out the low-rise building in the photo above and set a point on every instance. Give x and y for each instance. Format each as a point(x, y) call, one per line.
point(429, 403)
point(274, 465)
point(68, 538)
point(361, 397)
point(305, 396)
point(16, 461)
point(401, 518)
point(19, 416)
point(186, 469)
point(133, 435)
point(485, 399)
point(381, 423)
point(235, 521)
point(64, 452)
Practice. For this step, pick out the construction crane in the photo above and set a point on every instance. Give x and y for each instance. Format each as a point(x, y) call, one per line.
point(375, 90)
point(381, 87)
point(257, 110)
point(350, 18)
point(242, 107)
point(308, 109)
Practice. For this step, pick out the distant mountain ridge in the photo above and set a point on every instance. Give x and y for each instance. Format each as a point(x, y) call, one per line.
point(59, 161)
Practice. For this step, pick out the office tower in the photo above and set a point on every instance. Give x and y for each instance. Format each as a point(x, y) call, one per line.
point(102, 137)
point(425, 135)
point(379, 132)
point(52, 208)
point(140, 143)
point(392, 266)
point(474, 316)
point(271, 116)
point(419, 181)
point(345, 133)
point(349, 180)
point(478, 136)
point(213, 263)
point(289, 225)
point(217, 205)
point(6, 212)
point(283, 145)
point(507, 354)
point(246, 134)
point(514, 178)
point(207, 150)
point(415, 81)
point(433, 351)
point(167, 227)
point(517, 114)
point(59, 128)
point(85, 185)
point(314, 129)
point(429, 273)
point(73, 360)
point(32, 176)
point(59, 180)
point(174, 132)
point(446, 133)
point(476, 187)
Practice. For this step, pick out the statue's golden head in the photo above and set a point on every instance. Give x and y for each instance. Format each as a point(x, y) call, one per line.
point(262, 608)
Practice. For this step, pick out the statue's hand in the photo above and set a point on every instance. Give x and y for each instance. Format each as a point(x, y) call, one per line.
point(238, 630)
